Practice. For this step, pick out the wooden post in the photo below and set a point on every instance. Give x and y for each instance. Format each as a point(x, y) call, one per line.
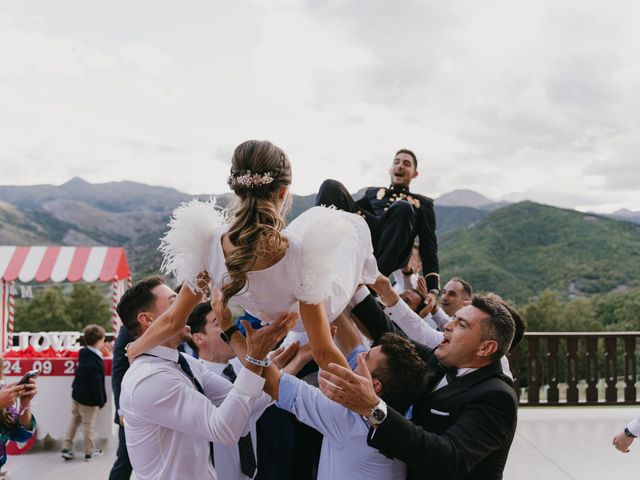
point(610, 370)
point(533, 371)
point(552, 369)
point(629, 369)
point(572, 367)
point(592, 369)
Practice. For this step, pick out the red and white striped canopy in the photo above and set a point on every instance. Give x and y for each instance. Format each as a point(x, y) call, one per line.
point(60, 264)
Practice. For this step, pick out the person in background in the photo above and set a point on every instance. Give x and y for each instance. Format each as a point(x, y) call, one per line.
point(88, 394)
point(16, 423)
point(121, 469)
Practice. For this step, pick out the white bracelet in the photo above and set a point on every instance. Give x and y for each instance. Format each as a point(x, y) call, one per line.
point(258, 363)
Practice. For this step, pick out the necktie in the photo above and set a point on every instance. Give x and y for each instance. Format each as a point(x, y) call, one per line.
point(437, 371)
point(245, 447)
point(184, 365)
point(230, 373)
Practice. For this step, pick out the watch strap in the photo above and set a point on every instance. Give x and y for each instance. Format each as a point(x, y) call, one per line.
point(228, 333)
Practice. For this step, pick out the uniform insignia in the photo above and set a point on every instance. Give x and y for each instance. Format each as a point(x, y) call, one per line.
point(381, 193)
point(414, 201)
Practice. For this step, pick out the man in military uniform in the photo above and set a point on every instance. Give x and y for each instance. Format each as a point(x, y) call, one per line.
point(395, 217)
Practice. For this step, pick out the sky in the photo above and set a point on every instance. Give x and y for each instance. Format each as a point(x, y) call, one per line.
point(514, 99)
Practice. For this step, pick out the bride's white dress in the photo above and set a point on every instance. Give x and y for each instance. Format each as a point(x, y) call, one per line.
point(329, 254)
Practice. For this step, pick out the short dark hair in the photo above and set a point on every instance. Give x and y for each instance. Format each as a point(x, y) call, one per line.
point(520, 326)
point(93, 334)
point(402, 374)
point(467, 289)
point(197, 321)
point(410, 153)
point(518, 321)
point(498, 325)
point(137, 299)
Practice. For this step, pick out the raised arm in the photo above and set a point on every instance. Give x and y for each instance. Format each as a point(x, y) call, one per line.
point(166, 325)
point(323, 349)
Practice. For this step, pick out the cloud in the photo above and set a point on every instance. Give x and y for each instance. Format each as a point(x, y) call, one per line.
point(148, 58)
point(498, 96)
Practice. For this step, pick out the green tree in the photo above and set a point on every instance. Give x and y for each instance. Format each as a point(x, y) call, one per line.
point(87, 304)
point(543, 313)
point(47, 311)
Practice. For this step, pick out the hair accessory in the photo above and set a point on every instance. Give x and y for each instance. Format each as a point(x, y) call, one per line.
point(250, 180)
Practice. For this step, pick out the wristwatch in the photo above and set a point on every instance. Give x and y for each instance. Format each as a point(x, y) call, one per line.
point(226, 335)
point(628, 433)
point(377, 414)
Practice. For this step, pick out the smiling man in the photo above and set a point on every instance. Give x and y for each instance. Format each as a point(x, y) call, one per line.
point(395, 217)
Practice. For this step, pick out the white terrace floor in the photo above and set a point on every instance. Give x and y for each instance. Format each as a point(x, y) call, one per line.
point(550, 444)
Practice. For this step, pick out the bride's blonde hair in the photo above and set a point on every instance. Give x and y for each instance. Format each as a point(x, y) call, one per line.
point(258, 170)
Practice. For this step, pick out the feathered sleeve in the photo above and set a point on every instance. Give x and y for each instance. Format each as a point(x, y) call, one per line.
point(320, 235)
point(185, 246)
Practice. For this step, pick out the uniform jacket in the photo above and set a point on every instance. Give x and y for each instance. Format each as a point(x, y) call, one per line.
point(376, 200)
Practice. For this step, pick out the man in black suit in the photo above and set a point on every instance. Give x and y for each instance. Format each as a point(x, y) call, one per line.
point(464, 423)
point(395, 217)
point(121, 469)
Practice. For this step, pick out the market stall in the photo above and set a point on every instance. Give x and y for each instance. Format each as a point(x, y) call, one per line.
point(55, 353)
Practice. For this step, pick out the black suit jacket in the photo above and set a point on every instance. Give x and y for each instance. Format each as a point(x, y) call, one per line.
point(88, 385)
point(377, 199)
point(461, 431)
point(120, 366)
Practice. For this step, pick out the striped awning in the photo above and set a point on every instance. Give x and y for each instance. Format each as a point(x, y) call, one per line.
point(63, 264)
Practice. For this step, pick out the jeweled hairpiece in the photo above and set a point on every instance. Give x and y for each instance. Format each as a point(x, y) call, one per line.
point(250, 180)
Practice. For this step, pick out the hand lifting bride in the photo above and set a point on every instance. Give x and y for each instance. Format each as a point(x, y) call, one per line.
point(313, 266)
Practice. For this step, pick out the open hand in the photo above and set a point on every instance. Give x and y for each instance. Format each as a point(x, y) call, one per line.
point(261, 342)
point(421, 287)
point(351, 390)
point(282, 356)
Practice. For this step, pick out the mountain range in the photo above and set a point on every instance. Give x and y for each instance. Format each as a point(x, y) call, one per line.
point(514, 249)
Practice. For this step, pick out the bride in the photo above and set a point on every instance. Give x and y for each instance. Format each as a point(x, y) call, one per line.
point(313, 266)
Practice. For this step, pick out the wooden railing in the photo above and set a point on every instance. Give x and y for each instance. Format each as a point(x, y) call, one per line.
point(571, 368)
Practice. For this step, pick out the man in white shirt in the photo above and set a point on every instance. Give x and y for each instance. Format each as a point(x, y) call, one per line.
point(216, 356)
point(173, 407)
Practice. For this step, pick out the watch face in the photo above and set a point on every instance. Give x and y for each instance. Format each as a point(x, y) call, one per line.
point(379, 415)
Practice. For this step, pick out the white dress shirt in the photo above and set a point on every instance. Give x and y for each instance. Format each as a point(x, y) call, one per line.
point(345, 453)
point(227, 457)
point(404, 282)
point(169, 424)
point(419, 331)
point(634, 427)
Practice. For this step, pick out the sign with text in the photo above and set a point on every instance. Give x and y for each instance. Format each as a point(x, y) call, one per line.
point(49, 367)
